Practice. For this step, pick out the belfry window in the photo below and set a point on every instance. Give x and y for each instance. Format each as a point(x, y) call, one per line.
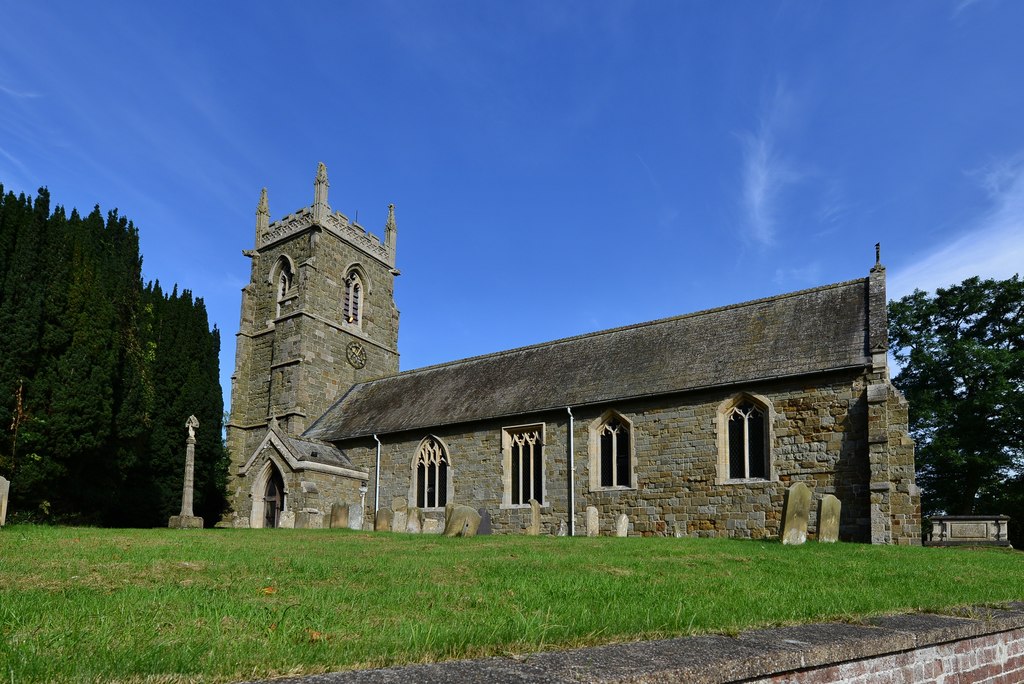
point(352, 307)
point(284, 282)
point(524, 460)
point(748, 457)
point(431, 474)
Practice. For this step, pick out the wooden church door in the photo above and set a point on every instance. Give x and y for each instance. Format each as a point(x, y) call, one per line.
point(273, 501)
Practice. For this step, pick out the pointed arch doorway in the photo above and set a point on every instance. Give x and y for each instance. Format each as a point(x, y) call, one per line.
point(273, 498)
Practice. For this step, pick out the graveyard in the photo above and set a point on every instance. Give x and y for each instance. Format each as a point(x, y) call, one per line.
point(170, 605)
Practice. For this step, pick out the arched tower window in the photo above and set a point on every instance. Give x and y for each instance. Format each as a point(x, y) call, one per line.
point(431, 480)
point(744, 439)
point(283, 278)
point(352, 308)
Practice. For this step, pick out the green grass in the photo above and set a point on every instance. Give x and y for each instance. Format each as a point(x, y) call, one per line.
point(83, 604)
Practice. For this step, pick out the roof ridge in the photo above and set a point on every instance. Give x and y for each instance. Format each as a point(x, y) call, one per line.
point(598, 333)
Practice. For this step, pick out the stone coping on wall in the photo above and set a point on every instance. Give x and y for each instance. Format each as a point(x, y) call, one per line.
point(713, 658)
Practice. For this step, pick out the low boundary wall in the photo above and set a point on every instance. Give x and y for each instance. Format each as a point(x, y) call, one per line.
point(976, 645)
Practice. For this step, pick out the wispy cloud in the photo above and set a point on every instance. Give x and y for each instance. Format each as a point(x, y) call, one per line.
point(766, 171)
point(992, 245)
point(19, 94)
point(962, 5)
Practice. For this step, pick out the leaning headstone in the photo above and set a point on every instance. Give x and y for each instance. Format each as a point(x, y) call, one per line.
point(415, 523)
point(593, 522)
point(485, 522)
point(461, 521)
point(5, 490)
point(399, 504)
point(563, 529)
point(534, 518)
point(795, 511)
point(382, 523)
point(339, 516)
point(829, 509)
point(355, 516)
point(187, 519)
point(286, 520)
point(621, 525)
point(400, 520)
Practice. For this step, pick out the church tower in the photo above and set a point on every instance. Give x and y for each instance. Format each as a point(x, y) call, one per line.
point(318, 316)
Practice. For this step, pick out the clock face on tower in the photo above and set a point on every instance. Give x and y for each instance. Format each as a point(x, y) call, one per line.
point(356, 354)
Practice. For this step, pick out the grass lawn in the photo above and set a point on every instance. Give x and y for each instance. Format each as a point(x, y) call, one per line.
point(84, 604)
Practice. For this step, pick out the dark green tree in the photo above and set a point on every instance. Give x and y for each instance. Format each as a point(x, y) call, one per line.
point(962, 356)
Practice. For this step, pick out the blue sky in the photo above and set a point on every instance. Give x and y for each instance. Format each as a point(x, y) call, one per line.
point(557, 167)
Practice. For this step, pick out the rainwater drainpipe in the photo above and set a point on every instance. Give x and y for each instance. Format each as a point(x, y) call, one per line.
point(376, 482)
point(572, 476)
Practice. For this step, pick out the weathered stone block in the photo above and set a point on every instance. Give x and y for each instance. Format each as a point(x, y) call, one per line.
point(355, 516)
point(621, 525)
point(339, 516)
point(286, 520)
point(400, 520)
point(382, 523)
point(184, 522)
point(593, 522)
point(460, 521)
point(534, 518)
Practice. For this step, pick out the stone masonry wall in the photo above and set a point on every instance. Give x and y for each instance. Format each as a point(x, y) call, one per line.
point(819, 436)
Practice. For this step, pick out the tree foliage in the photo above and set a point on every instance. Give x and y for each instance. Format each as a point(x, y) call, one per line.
point(962, 356)
point(100, 373)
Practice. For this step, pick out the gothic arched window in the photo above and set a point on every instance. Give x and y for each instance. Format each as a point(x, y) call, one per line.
point(284, 281)
point(524, 464)
point(352, 307)
point(431, 474)
point(748, 441)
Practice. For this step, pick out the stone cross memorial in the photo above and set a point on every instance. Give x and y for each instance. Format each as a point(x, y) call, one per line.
point(186, 518)
point(795, 511)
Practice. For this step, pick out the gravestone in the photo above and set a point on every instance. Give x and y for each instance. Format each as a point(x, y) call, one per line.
point(187, 519)
point(795, 511)
point(432, 526)
point(485, 522)
point(355, 516)
point(301, 520)
point(339, 516)
point(415, 524)
point(399, 504)
point(460, 521)
point(5, 490)
point(399, 520)
point(680, 530)
point(562, 530)
point(593, 522)
point(309, 519)
point(829, 509)
point(286, 520)
point(621, 525)
point(534, 518)
point(382, 523)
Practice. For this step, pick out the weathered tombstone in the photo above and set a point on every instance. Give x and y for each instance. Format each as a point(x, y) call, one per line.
point(5, 490)
point(339, 516)
point(314, 520)
point(301, 520)
point(286, 520)
point(795, 511)
point(382, 522)
point(399, 520)
point(460, 521)
point(240, 523)
point(593, 522)
point(355, 516)
point(534, 518)
point(680, 530)
point(563, 529)
point(415, 524)
point(829, 509)
point(432, 526)
point(187, 519)
point(485, 522)
point(399, 504)
point(621, 525)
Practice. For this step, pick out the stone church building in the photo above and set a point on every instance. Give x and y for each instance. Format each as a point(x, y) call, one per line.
point(698, 422)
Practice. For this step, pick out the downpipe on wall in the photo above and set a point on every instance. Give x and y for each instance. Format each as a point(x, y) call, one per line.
point(572, 475)
point(376, 482)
